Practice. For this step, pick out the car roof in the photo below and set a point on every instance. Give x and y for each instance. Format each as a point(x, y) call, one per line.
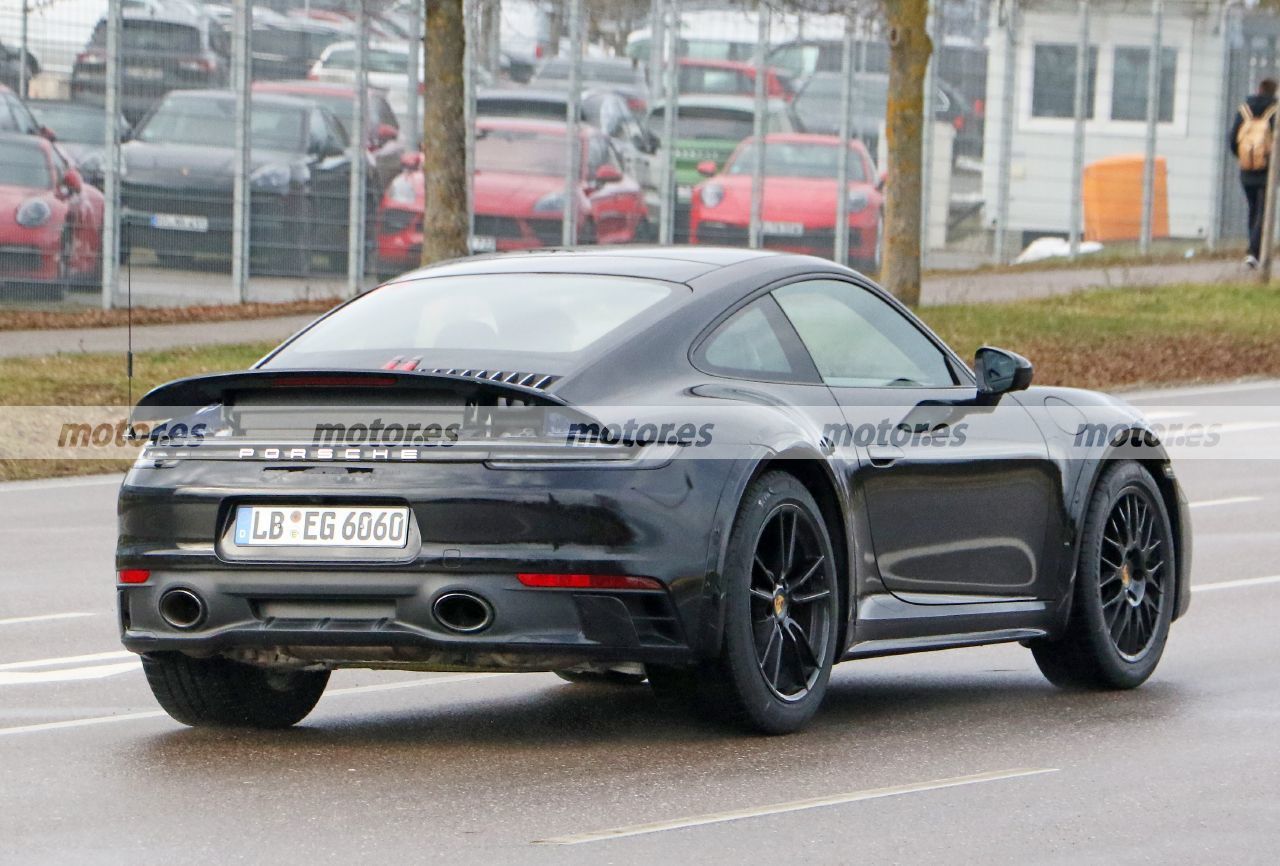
point(672, 264)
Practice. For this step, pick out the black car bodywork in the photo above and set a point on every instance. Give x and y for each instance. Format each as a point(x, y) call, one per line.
point(931, 554)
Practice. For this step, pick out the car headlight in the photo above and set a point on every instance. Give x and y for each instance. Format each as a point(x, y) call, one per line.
point(858, 201)
point(34, 213)
point(271, 178)
point(401, 190)
point(552, 201)
point(712, 194)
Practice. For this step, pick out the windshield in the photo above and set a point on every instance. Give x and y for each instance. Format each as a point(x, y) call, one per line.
point(787, 159)
point(25, 165)
point(520, 152)
point(540, 313)
point(212, 122)
point(71, 124)
point(375, 60)
point(709, 123)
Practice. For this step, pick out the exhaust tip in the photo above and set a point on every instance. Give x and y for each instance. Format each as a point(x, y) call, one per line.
point(463, 612)
point(182, 608)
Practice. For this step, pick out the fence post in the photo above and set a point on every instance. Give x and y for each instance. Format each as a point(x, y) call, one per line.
point(359, 126)
point(23, 72)
point(761, 127)
point(241, 195)
point(841, 249)
point(573, 136)
point(656, 36)
point(1155, 67)
point(1077, 143)
point(929, 133)
point(413, 115)
point(1010, 105)
point(112, 220)
point(469, 116)
point(667, 224)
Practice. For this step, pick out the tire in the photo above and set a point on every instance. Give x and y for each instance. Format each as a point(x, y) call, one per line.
point(1122, 602)
point(602, 678)
point(217, 692)
point(781, 615)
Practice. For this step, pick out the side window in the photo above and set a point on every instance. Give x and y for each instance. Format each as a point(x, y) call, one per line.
point(335, 129)
point(859, 341)
point(747, 345)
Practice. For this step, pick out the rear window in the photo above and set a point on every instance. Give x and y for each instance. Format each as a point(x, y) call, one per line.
point(554, 314)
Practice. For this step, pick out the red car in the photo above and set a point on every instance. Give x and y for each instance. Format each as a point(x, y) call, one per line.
point(799, 208)
point(518, 194)
point(50, 220)
point(731, 77)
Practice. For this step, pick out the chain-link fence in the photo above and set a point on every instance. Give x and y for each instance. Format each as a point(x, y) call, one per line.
point(187, 152)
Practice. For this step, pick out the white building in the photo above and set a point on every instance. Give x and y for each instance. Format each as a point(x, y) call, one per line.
point(1193, 106)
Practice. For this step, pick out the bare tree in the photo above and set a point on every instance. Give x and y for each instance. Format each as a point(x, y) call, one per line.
point(909, 51)
point(444, 134)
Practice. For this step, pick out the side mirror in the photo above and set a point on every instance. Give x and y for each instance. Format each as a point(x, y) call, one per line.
point(386, 132)
point(608, 174)
point(411, 161)
point(707, 168)
point(72, 181)
point(1000, 372)
point(331, 148)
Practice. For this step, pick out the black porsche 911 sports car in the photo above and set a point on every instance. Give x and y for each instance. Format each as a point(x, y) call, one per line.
point(722, 471)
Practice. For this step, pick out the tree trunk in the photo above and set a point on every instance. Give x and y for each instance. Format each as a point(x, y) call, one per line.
point(444, 134)
point(909, 51)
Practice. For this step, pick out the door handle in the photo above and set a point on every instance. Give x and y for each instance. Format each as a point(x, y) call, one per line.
point(882, 457)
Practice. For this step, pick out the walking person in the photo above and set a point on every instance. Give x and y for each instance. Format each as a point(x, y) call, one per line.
point(1251, 138)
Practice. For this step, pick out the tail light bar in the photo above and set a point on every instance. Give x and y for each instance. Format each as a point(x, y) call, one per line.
point(586, 581)
point(133, 575)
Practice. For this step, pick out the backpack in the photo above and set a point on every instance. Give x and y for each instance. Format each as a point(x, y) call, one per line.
point(1253, 141)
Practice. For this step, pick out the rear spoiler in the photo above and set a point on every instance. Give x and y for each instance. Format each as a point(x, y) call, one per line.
point(223, 387)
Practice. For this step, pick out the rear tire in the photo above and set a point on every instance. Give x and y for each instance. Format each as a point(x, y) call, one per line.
point(217, 692)
point(781, 616)
point(1123, 598)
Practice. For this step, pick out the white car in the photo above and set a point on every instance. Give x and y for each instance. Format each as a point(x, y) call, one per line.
point(387, 64)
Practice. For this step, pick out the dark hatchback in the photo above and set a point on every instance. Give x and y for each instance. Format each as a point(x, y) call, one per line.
point(179, 176)
point(720, 470)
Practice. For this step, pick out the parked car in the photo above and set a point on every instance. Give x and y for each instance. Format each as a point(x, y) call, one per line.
point(731, 77)
point(11, 65)
point(382, 130)
point(709, 128)
point(175, 47)
point(618, 74)
point(518, 192)
point(81, 130)
point(801, 192)
point(50, 220)
point(387, 65)
point(602, 109)
point(178, 179)
point(284, 46)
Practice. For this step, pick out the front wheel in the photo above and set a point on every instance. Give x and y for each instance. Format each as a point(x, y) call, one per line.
point(781, 612)
point(218, 692)
point(1123, 601)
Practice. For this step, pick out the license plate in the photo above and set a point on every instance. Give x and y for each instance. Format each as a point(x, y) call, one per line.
point(483, 244)
point(333, 526)
point(144, 73)
point(787, 229)
point(684, 194)
point(179, 222)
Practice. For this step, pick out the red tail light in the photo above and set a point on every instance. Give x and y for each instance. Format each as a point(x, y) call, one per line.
point(133, 575)
point(538, 51)
point(958, 122)
point(979, 108)
point(637, 105)
point(587, 581)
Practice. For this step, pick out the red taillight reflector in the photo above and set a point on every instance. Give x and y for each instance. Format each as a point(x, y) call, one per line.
point(587, 581)
point(133, 575)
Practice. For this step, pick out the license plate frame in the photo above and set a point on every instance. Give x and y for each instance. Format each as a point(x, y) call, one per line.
point(328, 528)
point(783, 229)
point(484, 244)
point(180, 222)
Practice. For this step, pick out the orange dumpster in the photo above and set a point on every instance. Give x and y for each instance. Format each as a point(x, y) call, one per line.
point(1113, 199)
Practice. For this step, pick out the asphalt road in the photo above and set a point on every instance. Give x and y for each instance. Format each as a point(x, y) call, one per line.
point(958, 756)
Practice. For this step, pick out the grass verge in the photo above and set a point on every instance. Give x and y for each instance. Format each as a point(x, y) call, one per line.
point(1103, 339)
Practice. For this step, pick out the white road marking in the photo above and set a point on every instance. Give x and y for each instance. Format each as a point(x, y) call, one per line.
point(1195, 390)
point(792, 806)
point(58, 483)
point(1230, 500)
point(1242, 583)
point(44, 617)
point(94, 721)
point(66, 660)
point(63, 675)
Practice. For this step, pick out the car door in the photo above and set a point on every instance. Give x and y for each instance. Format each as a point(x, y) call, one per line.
point(963, 501)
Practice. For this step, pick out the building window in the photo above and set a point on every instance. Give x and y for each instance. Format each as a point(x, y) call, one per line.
point(1129, 83)
point(1053, 92)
